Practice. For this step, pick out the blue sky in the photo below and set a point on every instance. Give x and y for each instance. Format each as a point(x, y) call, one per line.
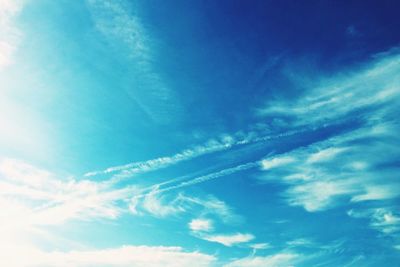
point(199, 133)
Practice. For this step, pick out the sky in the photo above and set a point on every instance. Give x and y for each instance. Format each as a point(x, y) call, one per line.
point(199, 133)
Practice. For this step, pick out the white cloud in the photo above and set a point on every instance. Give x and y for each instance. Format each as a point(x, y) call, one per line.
point(153, 203)
point(337, 96)
point(277, 260)
point(211, 176)
point(48, 200)
point(124, 256)
point(133, 168)
point(384, 220)
point(225, 142)
point(301, 242)
point(23, 173)
point(378, 192)
point(31, 197)
point(259, 246)
point(318, 195)
point(326, 154)
point(6, 52)
point(276, 162)
point(230, 239)
point(158, 205)
point(9, 34)
point(201, 225)
point(120, 24)
point(354, 166)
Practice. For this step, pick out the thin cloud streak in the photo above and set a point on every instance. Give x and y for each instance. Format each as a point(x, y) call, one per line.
point(211, 176)
point(118, 23)
point(212, 146)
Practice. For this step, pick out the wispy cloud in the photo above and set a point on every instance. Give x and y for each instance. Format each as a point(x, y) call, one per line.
point(201, 225)
point(155, 204)
point(120, 23)
point(260, 246)
point(385, 220)
point(300, 242)
point(9, 33)
point(276, 162)
point(335, 97)
point(275, 260)
point(159, 205)
point(224, 143)
point(31, 197)
point(228, 240)
point(121, 256)
point(323, 173)
point(325, 154)
point(204, 229)
point(213, 145)
point(49, 200)
point(315, 196)
point(351, 166)
point(211, 176)
point(378, 192)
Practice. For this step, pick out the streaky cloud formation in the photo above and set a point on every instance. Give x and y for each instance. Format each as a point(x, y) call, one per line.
point(212, 146)
point(10, 35)
point(113, 19)
point(48, 200)
point(137, 133)
point(122, 256)
point(229, 239)
point(278, 260)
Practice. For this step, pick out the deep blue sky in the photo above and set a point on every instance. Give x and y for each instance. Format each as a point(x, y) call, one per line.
point(202, 133)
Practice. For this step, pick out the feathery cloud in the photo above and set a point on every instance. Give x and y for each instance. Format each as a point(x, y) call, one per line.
point(229, 240)
point(9, 33)
point(119, 22)
point(201, 225)
point(49, 200)
point(124, 256)
point(385, 220)
point(356, 164)
point(276, 260)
